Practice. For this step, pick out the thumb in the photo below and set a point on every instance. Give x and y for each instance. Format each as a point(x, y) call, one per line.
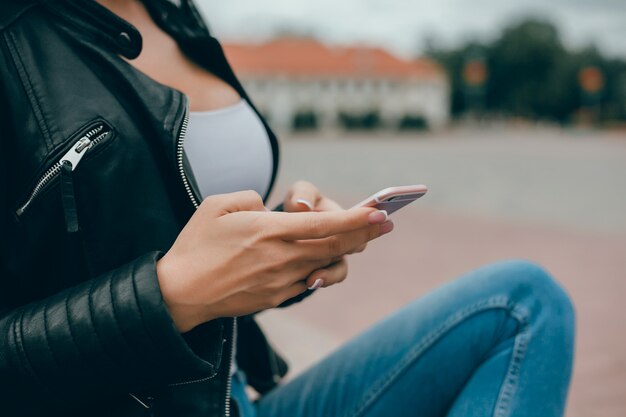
point(221, 204)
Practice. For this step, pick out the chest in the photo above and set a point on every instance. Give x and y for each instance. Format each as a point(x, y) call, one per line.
point(229, 150)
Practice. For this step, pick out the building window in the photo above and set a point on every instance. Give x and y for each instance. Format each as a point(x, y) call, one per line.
point(304, 120)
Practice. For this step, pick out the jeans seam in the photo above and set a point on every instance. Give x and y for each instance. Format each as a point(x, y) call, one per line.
point(498, 302)
point(511, 379)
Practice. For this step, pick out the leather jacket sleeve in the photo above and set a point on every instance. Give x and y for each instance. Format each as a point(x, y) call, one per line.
point(108, 336)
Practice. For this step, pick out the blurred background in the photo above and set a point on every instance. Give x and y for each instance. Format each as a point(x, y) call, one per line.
point(514, 115)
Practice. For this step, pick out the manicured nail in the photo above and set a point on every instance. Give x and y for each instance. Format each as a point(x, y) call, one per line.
point(378, 217)
point(386, 227)
point(318, 283)
point(305, 202)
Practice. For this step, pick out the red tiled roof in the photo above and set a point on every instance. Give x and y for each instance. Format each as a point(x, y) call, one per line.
point(310, 58)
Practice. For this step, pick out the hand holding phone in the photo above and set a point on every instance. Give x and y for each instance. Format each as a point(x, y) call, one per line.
point(393, 199)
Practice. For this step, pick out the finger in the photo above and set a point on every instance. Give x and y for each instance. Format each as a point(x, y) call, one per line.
point(294, 290)
point(303, 196)
point(307, 267)
point(314, 225)
point(326, 204)
point(220, 204)
point(341, 244)
point(359, 249)
point(331, 275)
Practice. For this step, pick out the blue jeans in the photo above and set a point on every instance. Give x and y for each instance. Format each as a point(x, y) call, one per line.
point(497, 342)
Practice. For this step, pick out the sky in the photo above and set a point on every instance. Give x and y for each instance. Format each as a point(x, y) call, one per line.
point(403, 25)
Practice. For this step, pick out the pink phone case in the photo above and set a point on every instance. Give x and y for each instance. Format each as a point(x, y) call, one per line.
point(393, 199)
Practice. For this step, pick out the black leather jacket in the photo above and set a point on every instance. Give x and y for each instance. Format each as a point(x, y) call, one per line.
point(83, 327)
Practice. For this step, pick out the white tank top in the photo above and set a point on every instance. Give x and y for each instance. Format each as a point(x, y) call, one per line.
point(229, 150)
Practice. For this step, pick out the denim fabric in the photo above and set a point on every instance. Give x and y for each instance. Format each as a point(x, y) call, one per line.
point(498, 341)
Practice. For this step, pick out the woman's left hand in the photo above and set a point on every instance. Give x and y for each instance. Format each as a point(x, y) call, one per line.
point(304, 196)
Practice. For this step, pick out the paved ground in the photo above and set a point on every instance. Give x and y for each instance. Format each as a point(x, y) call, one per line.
point(555, 197)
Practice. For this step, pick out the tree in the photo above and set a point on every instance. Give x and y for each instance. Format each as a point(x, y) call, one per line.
point(531, 74)
point(527, 64)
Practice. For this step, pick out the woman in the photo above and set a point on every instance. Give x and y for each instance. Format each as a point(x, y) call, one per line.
point(119, 289)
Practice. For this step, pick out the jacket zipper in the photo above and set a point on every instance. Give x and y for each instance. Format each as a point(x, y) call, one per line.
point(229, 380)
point(181, 170)
point(73, 157)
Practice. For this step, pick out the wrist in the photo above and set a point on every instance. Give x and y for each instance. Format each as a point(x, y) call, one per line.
point(181, 315)
point(183, 319)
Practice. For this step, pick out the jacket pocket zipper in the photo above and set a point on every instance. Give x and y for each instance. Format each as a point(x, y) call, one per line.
point(94, 136)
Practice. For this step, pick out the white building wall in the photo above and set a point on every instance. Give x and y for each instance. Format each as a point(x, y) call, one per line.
point(281, 98)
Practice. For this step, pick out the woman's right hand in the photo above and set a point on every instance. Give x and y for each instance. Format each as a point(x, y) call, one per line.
point(234, 257)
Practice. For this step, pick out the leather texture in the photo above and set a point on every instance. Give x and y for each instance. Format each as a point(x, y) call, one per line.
point(84, 330)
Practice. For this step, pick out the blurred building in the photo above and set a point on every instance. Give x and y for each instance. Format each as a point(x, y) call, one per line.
point(302, 83)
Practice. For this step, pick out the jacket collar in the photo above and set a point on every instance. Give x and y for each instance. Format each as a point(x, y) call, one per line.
point(99, 24)
point(179, 18)
point(87, 15)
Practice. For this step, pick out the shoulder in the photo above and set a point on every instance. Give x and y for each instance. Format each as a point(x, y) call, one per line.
point(10, 10)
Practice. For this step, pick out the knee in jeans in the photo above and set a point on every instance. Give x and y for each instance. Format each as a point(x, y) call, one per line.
point(534, 281)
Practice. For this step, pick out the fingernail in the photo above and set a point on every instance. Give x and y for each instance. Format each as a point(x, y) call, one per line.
point(318, 283)
point(305, 202)
point(386, 227)
point(378, 217)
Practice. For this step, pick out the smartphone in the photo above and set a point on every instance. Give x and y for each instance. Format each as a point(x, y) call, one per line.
point(393, 199)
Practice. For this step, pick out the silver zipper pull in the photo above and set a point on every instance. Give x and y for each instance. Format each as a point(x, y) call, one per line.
point(76, 153)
